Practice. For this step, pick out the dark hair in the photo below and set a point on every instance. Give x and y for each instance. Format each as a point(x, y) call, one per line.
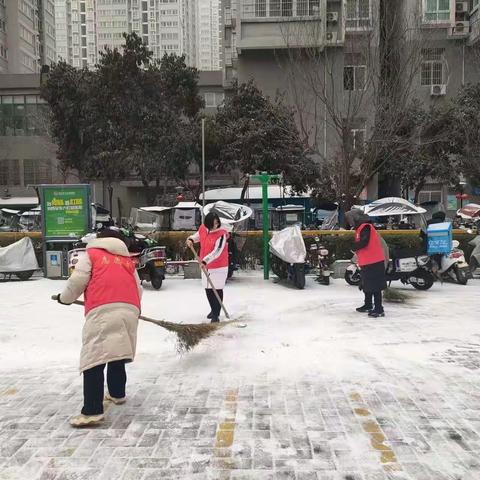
point(111, 233)
point(209, 220)
point(439, 216)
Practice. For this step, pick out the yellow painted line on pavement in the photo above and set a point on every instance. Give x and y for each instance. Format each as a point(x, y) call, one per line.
point(226, 431)
point(377, 438)
point(10, 391)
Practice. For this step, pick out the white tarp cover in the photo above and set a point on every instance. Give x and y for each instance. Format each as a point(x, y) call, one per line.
point(229, 213)
point(385, 207)
point(18, 257)
point(469, 211)
point(288, 245)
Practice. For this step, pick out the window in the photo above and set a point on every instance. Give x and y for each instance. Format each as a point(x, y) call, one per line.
point(213, 99)
point(281, 8)
point(9, 172)
point(358, 138)
point(37, 172)
point(432, 66)
point(354, 73)
point(22, 115)
point(436, 10)
point(358, 14)
point(430, 196)
point(308, 7)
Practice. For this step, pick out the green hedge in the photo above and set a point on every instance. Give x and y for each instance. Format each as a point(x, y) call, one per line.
point(339, 244)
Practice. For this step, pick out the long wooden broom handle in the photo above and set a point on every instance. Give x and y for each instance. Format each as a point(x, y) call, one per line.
point(209, 280)
point(141, 317)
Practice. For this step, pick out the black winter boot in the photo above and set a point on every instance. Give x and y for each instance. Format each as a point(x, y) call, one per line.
point(365, 309)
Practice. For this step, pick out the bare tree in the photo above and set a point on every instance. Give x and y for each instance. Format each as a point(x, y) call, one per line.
point(350, 101)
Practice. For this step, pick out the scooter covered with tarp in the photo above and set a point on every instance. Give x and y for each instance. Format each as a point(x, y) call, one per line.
point(18, 259)
point(288, 253)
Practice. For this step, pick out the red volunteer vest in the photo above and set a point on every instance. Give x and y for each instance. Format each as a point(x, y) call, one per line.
point(373, 252)
point(112, 280)
point(207, 245)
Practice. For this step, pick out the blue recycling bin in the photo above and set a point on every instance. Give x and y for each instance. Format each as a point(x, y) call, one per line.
point(439, 238)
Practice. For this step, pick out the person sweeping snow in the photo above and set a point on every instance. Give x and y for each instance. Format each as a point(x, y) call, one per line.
point(214, 256)
point(371, 259)
point(107, 277)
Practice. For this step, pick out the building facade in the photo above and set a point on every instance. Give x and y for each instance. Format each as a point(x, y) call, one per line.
point(262, 36)
point(27, 156)
point(86, 27)
point(208, 44)
point(27, 35)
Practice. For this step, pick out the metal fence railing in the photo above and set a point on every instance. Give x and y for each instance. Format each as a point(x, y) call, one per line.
point(280, 8)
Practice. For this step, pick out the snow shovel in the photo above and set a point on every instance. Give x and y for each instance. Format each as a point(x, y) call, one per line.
point(209, 280)
point(188, 335)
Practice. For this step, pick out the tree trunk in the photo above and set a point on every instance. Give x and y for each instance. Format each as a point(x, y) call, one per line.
point(110, 196)
point(418, 189)
point(245, 189)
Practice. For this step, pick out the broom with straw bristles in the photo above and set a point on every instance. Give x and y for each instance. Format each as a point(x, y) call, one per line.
point(393, 295)
point(188, 334)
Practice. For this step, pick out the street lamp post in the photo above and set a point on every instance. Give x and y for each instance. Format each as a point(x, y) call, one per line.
point(203, 166)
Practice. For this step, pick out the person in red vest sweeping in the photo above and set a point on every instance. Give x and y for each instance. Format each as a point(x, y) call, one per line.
point(214, 255)
point(107, 277)
point(371, 260)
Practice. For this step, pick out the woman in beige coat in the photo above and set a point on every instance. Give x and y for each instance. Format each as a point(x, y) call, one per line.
point(107, 277)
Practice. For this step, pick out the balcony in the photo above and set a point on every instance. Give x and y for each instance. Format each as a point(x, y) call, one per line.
point(271, 24)
point(474, 26)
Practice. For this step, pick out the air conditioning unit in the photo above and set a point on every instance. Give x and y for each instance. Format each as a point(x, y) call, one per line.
point(461, 28)
point(461, 7)
point(332, 17)
point(332, 37)
point(438, 90)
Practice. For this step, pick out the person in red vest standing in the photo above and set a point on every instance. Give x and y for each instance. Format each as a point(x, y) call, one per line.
point(371, 260)
point(107, 277)
point(214, 256)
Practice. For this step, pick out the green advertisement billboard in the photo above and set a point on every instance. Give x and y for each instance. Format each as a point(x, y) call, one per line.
point(65, 210)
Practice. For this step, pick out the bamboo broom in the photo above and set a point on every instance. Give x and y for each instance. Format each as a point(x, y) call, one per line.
point(188, 334)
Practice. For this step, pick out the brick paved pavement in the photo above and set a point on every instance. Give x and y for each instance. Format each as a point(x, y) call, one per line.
point(201, 427)
point(389, 399)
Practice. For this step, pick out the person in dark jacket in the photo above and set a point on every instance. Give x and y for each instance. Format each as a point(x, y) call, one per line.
point(437, 217)
point(371, 260)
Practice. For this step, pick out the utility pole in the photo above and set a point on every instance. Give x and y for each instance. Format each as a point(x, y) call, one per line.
point(203, 166)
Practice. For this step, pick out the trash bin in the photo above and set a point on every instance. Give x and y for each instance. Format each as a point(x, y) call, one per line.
point(191, 270)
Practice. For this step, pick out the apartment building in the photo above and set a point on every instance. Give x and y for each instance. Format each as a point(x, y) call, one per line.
point(86, 27)
point(27, 35)
point(208, 35)
point(182, 27)
point(259, 37)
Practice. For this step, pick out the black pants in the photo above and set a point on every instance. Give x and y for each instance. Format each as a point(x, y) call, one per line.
point(214, 303)
point(371, 297)
point(93, 381)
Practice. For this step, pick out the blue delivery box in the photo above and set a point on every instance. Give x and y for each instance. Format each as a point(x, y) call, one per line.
point(439, 238)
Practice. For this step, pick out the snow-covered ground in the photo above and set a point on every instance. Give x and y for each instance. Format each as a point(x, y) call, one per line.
point(290, 332)
point(416, 370)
